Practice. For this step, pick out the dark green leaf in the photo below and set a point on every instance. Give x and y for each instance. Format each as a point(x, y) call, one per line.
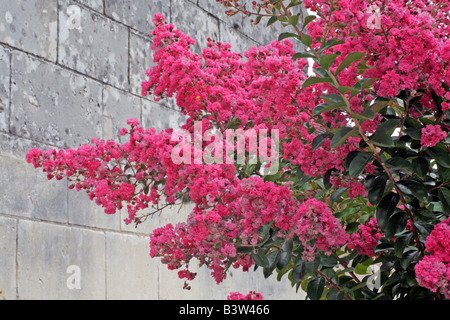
point(382, 137)
point(260, 259)
point(342, 135)
point(413, 187)
point(399, 163)
point(359, 163)
point(308, 19)
point(293, 20)
point(386, 208)
point(420, 167)
point(272, 20)
point(306, 40)
point(337, 194)
point(401, 243)
point(444, 196)
point(285, 35)
point(397, 223)
point(327, 106)
point(284, 260)
point(408, 257)
point(423, 227)
point(314, 80)
point(303, 55)
point(319, 140)
point(349, 59)
point(315, 288)
point(330, 43)
point(442, 157)
point(327, 61)
point(326, 178)
point(298, 273)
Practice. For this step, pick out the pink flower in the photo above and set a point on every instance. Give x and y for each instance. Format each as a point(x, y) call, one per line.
point(432, 135)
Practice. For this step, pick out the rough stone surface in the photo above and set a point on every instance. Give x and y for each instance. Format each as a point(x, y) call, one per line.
point(96, 46)
point(97, 5)
point(45, 253)
point(8, 236)
point(26, 192)
point(141, 58)
point(30, 26)
point(53, 105)
point(5, 65)
point(118, 107)
point(137, 14)
point(135, 274)
point(198, 24)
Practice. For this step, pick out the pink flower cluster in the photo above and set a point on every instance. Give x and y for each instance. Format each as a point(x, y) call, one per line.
point(252, 295)
point(407, 49)
point(433, 272)
point(432, 135)
point(366, 238)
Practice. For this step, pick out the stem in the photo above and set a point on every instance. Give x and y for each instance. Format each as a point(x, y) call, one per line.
point(334, 284)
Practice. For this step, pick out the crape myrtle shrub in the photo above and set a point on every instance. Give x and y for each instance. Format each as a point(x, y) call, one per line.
point(359, 205)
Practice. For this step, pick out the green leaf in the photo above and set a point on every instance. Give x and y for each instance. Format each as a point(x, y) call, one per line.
point(298, 273)
point(315, 288)
point(330, 43)
point(319, 140)
point(386, 208)
point(306, 40)
point(303, 55)
point(442, 157)
point(327, 61)
point(327, 106)
point(284, 260)
point(326, 178)
point(272, 20)
point(413, 187)
point(260, 259)
point(399, 163)
point(349, 59)
point(314, 80)
point(337, 194)
point(444, 196)
point(286, 35)
point(382, 137)
point(397, 223)
point(359, 163)
point(293, 20)
point(308, 19)
point(401, 243)
point(342, 135)
point(420, 167)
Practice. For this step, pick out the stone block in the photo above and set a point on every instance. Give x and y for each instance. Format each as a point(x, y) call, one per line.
point(60, 262)
point(239, 42)
point(30, 26)
point(141, 58)
point(5, 64)
point(118, 107)
point(63, 110)
point(137, 14)
point(160, 117)
point(131, 273)
point(84, 212)
point(26, 192)
point(96, 5)
point(94, 45)
point(8, 235)
point(195, 23)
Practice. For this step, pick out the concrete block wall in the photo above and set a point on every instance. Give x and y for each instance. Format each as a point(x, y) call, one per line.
point(70, 71)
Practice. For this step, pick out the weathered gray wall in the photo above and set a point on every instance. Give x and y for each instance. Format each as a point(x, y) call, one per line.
point(62, 84)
